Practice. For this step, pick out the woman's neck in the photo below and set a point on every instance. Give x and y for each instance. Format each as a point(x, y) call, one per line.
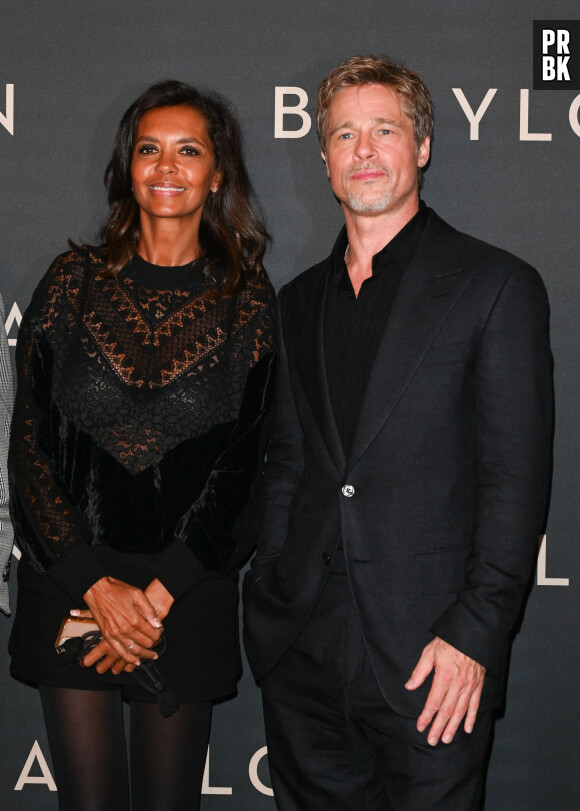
point(168, 242)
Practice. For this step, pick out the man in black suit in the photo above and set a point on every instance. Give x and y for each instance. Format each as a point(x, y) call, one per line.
point(406, 480)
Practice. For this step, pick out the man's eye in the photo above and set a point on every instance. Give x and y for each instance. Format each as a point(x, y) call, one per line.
point(345, 136)
point(384, 131)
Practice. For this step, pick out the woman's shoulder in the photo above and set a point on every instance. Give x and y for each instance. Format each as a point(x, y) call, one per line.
point(258, 290)
point(77, 261)
point(256, 313)
point(64, 280)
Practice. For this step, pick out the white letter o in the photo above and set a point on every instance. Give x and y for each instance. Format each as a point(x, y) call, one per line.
point(253, 771)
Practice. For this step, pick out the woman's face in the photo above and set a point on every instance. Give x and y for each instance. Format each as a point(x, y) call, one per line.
point(173, 167)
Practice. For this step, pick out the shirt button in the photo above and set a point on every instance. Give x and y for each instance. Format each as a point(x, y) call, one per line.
point(326, 558)
point(348, 490)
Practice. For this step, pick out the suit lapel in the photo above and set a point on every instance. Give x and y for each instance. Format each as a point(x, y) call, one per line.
point(431, 286)
point(305, 343)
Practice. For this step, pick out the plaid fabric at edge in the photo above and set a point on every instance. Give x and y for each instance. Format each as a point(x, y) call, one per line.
point(6, 398)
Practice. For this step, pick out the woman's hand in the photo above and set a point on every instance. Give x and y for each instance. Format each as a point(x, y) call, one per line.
point(159, 597)
point(128, 622)
point(108, 660)
point(160, 600)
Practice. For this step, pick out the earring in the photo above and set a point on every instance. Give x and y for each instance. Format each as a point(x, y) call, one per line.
point(214, 189)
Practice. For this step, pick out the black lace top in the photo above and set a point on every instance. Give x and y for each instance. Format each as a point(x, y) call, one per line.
point(138, 418)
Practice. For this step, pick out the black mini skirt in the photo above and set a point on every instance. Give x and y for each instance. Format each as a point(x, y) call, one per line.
point(202, 658)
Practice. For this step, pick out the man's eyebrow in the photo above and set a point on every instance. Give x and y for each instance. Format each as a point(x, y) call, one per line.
point(347, 125)
point(392, 122)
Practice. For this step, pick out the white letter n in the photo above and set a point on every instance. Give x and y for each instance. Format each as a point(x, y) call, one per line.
point(7, 120)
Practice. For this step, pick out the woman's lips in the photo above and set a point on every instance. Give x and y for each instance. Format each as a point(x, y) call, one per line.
point(166, 189)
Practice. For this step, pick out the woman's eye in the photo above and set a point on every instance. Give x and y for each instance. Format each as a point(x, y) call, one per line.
point(147, 149)
point(189, 150)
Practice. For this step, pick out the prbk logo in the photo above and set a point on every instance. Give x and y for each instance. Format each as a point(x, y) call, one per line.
point(556, 54)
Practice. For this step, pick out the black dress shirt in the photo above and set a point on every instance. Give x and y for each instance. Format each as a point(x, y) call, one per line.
point(354, 325)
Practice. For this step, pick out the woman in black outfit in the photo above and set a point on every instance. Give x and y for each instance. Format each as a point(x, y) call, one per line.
point(144, 367)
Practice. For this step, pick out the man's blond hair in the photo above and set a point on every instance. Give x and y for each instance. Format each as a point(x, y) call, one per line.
point(371, 69)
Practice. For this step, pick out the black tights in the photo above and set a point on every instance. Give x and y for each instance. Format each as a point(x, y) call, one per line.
point(87, 744)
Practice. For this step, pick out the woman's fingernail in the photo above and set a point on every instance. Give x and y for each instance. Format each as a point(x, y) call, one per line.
point(75, 612)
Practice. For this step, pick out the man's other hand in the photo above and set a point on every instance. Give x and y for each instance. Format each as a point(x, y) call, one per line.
point(455, 692)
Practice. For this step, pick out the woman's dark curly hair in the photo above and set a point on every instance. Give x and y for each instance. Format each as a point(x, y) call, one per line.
point(232, 236)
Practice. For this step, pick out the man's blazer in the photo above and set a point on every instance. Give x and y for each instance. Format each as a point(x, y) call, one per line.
point(441, 501)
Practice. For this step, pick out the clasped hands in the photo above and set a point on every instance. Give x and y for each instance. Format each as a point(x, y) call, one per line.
point(130, 621)
point(455, 692)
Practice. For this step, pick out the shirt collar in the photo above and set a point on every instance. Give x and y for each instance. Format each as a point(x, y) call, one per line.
point(396, 252)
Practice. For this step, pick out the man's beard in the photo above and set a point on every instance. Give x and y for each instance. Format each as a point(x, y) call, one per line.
point(358, 202)
point(361, 206)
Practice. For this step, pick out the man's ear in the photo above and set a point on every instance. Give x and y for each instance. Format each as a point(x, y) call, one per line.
point(423, 152)
point(323, 156)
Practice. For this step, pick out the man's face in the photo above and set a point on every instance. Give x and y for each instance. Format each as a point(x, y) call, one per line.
point(371, 155)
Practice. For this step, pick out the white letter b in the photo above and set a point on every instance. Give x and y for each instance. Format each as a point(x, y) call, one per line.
point(280, 110)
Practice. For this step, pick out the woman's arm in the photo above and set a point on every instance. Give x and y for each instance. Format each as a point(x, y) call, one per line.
point(48, 528)
point(211, 536)
point(53, 533)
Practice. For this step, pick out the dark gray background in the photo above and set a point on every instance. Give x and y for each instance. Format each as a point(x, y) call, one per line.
point(76, 66)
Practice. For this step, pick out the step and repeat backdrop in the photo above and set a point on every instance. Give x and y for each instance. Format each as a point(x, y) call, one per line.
point(505, 167)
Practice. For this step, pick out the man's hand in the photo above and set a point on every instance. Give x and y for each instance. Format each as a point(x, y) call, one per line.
point(455, 692)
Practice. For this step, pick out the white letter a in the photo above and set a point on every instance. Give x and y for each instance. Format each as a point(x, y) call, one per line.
point(47, 778)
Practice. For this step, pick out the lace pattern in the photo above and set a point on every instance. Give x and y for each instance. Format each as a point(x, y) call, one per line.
point(138, 365)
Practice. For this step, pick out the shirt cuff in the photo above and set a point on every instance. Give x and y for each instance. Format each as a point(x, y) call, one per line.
point(178, 569)
point(76, 571)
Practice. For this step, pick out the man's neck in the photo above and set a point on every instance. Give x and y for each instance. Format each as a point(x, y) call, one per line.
point(367, 235)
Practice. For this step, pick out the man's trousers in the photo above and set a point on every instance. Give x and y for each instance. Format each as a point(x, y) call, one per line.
point(334, 744)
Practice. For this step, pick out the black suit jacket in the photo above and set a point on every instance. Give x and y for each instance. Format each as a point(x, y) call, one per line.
point(449, 468)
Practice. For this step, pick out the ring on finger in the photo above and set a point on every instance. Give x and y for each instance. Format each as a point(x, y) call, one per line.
point(132, 645)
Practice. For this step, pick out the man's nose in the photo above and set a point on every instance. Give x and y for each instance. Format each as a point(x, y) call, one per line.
point(365, 147)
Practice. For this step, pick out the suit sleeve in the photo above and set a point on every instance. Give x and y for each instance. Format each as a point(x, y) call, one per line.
point(513, 445)
point(284, 458)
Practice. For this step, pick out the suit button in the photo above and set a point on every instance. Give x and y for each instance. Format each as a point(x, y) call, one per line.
point(348, 490)
point(326, 558)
